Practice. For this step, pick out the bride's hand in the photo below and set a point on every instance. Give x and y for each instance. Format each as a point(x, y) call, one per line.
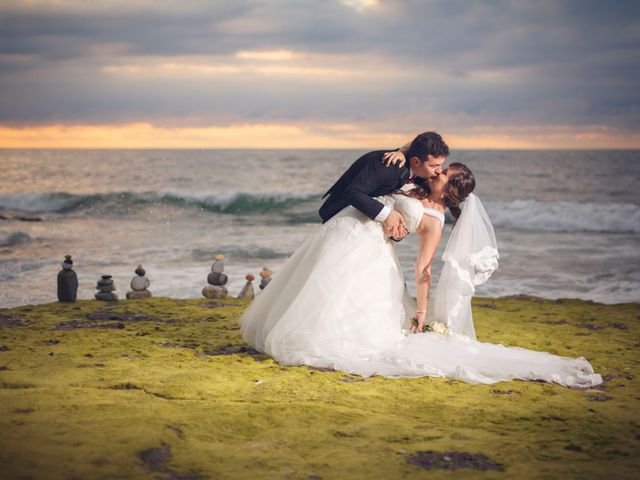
point(422, 318)
point(392, 158)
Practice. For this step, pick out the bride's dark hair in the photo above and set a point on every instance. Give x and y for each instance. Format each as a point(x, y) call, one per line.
point(461, 183)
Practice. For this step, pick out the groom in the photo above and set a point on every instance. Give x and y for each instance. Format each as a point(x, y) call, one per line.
point(368, 177)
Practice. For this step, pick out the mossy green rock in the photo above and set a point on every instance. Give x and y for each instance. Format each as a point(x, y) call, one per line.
point(163, 388)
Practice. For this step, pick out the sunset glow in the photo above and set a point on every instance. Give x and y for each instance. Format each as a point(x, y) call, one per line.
point(145, 135)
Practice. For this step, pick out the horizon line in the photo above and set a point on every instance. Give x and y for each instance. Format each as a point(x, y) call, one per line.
point(498, 149)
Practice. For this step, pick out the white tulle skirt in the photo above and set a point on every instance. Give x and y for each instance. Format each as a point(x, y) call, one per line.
point(340, 302)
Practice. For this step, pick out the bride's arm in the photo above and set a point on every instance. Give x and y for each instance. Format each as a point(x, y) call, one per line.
point(430, 233)
point(399, 156)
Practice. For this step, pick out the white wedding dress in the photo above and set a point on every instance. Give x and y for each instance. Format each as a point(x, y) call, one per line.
point(340, 302)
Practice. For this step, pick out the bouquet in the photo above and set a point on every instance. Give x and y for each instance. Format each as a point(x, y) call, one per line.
point(436, 327)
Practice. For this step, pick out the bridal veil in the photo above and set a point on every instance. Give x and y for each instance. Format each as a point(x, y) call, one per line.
point(470, 257)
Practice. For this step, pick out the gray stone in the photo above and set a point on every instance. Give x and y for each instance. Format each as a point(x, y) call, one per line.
point(247, 292)
point(106, 288)
point(138, 294)
point(105, 280)
point(211, 291)
point(265, 276)
point(218, 279)
point(218, 266)
point(140, 283)
point(106, 296)
point(67, 286)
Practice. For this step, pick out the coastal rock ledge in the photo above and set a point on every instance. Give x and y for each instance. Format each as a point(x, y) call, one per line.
point(166, 388)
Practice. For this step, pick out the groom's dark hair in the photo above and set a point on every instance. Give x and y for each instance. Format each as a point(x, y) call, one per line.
point(428, 143)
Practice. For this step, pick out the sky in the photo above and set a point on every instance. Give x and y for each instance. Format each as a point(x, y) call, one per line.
point(319, 74)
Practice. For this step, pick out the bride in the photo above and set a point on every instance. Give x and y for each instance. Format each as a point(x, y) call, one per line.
point(340, 300)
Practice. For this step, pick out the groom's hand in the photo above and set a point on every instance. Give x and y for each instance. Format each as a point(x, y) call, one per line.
point(394, 225)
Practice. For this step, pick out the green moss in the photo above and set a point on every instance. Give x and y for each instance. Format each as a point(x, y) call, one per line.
point(162, 387)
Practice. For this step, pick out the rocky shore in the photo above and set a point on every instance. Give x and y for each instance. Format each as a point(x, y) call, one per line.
point(165, 388)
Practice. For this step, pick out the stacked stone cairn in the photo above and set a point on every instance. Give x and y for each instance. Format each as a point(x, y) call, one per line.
point(217, 280)
point(105, 288)
point(139, 285)
point(247, 291)
point(67, 281)
point(265, 276)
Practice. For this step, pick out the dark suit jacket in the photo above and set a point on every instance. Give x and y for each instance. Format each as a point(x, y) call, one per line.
point(367, 177)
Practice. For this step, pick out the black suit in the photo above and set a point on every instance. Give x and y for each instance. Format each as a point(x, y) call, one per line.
point(367, 177)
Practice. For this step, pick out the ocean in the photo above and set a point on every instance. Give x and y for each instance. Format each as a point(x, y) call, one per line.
point(567, 222)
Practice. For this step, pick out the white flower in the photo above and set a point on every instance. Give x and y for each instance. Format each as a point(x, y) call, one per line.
point(440, 328)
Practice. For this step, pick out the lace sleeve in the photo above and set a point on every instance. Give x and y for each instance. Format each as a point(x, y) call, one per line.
point(411, 210)
point(387, 201)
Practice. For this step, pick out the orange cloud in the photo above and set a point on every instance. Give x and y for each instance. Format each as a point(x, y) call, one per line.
point(146, 135)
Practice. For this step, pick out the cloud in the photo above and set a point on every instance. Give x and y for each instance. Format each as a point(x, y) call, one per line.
point(269, 55)
point(454, 64)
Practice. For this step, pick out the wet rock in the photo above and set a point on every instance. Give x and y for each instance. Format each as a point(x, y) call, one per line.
point(103, 315)
point(573, 447)
point(218, 264)
point(502, 392)
point(126, 386)
point(247, 292)
point(106, 296)
point(13, 321)
point(599, 398)
point(24, 411)
point(137, 295)
point(215, 304)
point(265, 277)
point(211, 291)
point(155, 459)
point(105, 289)
point(105, 280)
point(452, 461)
point(232, 350)
point(77, 324)
point(139, 285)
point(215, 278)
point(67, 281)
